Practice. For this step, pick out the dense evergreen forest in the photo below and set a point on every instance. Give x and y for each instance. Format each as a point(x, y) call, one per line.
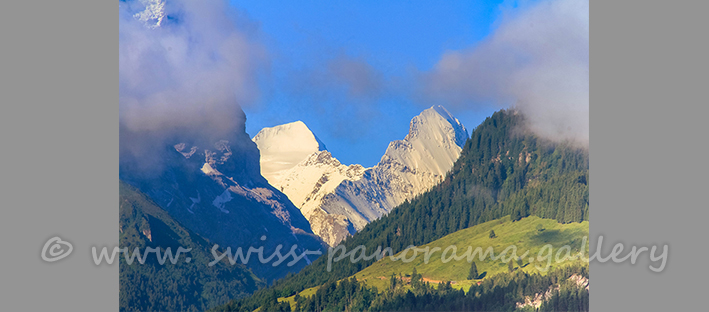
point(192, 286)
point(502, 170)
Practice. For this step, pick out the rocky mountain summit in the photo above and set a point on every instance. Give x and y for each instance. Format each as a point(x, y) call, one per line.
point(339, 200)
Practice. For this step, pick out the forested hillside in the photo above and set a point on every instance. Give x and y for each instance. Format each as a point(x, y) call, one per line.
point(184, 286)
point(502, 170)
point(566, 288)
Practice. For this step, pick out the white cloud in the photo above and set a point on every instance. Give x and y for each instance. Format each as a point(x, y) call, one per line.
point(537, 60)
point(191, 74)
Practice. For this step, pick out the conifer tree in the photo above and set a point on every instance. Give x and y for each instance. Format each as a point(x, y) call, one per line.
point(473, 274)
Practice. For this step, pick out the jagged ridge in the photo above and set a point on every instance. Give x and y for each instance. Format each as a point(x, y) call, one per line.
point(339, 200)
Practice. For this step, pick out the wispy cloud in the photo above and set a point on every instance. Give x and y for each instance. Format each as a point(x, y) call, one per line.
point(537, 60)
point(357, 76)
point(345, 90)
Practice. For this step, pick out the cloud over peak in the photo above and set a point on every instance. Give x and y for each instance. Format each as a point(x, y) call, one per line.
point(184, 66)
point(537, 61)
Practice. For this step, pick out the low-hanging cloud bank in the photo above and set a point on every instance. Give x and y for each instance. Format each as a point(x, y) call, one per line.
point(185, 67)
point(537, 61)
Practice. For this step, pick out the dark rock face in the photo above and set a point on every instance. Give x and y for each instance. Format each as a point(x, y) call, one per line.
point(214, 188)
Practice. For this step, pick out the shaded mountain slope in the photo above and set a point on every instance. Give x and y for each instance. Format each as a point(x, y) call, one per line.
point(193, 286)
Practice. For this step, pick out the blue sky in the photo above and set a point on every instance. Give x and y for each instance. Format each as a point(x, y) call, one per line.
point(383, 41)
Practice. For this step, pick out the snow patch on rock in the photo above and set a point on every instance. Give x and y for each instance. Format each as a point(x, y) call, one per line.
point(207, 169)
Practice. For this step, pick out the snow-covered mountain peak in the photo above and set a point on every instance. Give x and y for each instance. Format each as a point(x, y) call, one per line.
point(432, 145)
point(437, 123)
point(339, 200)
point(284, 146)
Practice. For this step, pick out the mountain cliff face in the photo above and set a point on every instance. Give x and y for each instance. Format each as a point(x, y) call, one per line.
point(310, 183)
point(339, 200)
point(214, 188)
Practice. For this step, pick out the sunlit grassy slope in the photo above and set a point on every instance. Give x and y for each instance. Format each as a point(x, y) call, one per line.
point(524, 234)
point(305, 293)
point(528, 234)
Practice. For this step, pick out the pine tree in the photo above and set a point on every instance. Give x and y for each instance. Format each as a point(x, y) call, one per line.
point(492, 234)
point(415, 278)
point(510, 265)
point(473, 274)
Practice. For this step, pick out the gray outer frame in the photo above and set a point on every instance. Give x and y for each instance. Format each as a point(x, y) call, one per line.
point(647, 150)
point(59, 132)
